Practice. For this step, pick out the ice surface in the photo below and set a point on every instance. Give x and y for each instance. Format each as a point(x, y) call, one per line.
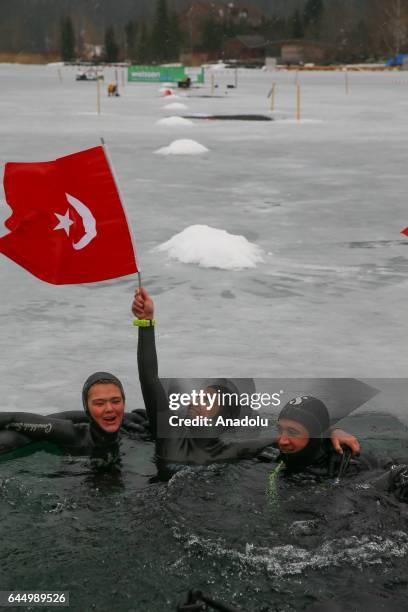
point(175, 106)
point(175, 122)
point(184, 146)
point(327, 199)
point(210, 247)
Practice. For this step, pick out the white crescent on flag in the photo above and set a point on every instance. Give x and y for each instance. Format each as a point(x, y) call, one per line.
point(88, 220)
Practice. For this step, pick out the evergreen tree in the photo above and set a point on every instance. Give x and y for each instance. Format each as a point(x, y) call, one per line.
point(312, 13)
point(131, 32)
point(175, 37)
point(212, 35)
point(276, 28)
point(312, 18)
point(67, 48)
point(111, 46)
point(143, 54)
point(298, 30)
point(160, 33)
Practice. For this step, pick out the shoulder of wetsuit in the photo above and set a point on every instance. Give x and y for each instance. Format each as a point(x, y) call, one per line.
point(11, 440)
point(390, 462)
point(136, 414)
point(75, 416)
point(81, 427)
point(367, 461)
point(398, 482)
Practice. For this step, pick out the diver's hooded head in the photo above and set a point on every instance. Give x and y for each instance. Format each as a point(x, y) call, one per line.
point(313, 415)
point(229, 397)
point(99, 378)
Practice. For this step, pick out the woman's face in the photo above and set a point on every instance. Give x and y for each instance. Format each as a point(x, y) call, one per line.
point(292, 436)
point(106, 406)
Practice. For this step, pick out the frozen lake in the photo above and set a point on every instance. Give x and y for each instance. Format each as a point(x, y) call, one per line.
point(325, 200)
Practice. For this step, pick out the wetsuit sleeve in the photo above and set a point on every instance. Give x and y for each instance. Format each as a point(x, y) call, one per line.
point(75, 416)
point(37, 427)
point(10, 440)
point(154, 396)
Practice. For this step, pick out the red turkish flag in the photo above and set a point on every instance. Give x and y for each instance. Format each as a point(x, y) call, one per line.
point(68, 224)
point(405, 231)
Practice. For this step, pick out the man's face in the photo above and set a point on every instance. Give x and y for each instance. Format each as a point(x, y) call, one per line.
point(205, 408)
point(106, 406)
point(292, 436)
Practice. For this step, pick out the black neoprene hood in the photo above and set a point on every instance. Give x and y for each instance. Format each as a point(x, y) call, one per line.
point(310, 412)
point(95, 378)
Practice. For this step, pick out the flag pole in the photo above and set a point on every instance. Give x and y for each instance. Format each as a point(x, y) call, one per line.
point(108, 157)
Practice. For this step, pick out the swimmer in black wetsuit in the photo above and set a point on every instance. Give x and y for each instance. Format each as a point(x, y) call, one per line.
point(96, 432)
point(304, 448)
point(302, 441)
point(179, 444)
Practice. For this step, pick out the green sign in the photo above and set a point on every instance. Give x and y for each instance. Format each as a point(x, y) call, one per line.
point(164, 74)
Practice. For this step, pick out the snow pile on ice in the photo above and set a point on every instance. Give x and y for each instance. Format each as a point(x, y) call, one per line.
point(215, 67)
point(175, 106)
point(185, 146)
point(210, 247)
point(175, 122)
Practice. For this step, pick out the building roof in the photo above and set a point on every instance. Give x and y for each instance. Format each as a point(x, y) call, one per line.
point(251, 41)
point(297, 41)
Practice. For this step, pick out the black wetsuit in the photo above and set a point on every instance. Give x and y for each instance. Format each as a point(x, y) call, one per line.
point(74, 438)
point(385, 474)
point(181, 444)
point(328, 463)
point(74, 432)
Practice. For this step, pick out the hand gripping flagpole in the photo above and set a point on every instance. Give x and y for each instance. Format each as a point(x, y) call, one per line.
point(108, 157)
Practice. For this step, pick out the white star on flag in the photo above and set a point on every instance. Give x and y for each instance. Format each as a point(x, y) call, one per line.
point(64, 222)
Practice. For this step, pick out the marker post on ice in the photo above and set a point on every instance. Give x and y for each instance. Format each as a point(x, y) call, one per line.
point(298, 102)
point(346, 81)
point(273, 97)
point(112, 168)
point(98, 96)
point(212, 83)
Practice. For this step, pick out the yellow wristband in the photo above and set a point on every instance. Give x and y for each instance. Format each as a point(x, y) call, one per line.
point(144, 322)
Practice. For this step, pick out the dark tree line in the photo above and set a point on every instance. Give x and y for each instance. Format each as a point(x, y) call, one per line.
point(158, 41)
point(356, 31)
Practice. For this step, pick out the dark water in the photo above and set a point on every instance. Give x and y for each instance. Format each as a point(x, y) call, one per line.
point(118, 541)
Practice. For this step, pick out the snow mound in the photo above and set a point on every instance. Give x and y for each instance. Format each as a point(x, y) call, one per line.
point(185, 146)
point(215, 67)
point(175, 106)
point(210, 247)
point(175, 122)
